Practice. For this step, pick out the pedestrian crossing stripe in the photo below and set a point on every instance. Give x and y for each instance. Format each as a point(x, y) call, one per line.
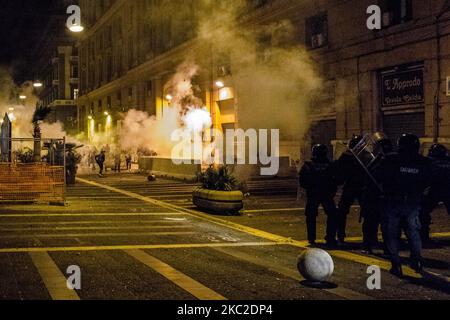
point(96, 235)
point(138, 247)
point(53, 278)
point(185, 282)
point(121, 214)
point(127, 227)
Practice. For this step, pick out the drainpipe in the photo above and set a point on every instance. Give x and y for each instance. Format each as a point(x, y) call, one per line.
point(437, 102)
point(437, 98)
point(360, 107)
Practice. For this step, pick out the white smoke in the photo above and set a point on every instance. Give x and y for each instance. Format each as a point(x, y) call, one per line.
point(186, 111)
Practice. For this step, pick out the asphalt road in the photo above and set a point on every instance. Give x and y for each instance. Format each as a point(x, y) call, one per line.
point(133, 239)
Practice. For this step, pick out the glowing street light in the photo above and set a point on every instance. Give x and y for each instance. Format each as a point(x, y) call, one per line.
point(90, 117)
point(76, 29)
point(37, 84)
point(220, 84)
point(11, 109)
point(106, 113)
point(22, 97)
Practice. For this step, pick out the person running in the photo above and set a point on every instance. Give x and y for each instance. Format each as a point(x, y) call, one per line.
point(100, 159)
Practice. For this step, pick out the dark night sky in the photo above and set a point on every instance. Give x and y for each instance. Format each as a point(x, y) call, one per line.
point(22, 23)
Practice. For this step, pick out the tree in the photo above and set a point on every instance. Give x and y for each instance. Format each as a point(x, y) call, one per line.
point(40, 114)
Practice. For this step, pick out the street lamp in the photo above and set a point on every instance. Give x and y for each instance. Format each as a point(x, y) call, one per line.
point(37, 84)
point(220, 84)
point(169, 97)
point(22, 97)
point(76, 28)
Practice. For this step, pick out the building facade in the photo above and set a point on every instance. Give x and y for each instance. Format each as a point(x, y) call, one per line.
point(57, 69)
point(392, 80)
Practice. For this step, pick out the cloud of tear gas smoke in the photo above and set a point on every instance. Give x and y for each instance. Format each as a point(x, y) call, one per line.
point(21, 111)
point(273, 75)
point(186, 111)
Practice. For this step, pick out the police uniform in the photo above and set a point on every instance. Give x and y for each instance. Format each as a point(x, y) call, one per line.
point(317, 178)
point(371, 204)
point(404, 176)
point(352, 175)
point(439, 192)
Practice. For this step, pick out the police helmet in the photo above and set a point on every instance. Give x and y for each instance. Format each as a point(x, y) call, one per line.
point(409, 143)
point(355, 141)
point(384, 142)
point(319, 151)
point(438, 151)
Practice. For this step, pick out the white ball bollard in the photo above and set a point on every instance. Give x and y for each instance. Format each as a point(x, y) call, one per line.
point(315, 265)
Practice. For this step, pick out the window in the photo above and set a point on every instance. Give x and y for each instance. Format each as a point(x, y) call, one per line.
point(109, 102)
point(396, 11)
point(74, 71)
point(75, 94)
point(100, 106)
point(317, 31)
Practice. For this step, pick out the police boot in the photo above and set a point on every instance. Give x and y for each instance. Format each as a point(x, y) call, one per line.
point(396, 270)
point(417, 266)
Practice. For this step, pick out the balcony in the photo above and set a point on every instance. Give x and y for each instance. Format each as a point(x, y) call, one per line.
point(62, 103)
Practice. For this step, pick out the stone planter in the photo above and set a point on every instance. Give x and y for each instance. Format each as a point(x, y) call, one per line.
point(222, 202)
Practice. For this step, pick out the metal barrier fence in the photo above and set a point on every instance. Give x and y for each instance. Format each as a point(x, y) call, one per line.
point(34, 170)
point(34, 182)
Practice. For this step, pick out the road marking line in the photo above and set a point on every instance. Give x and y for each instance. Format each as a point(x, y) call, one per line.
point(96, 235)
point(385, 265)
point(185, 282)
point(290, 273)
point(438, 235)
point(273, 210)
point(371, 261)
point(54, 280)
point(31, 215)
point(280, 209)
point(94, 222)
point(141, 247)
point(95, 228)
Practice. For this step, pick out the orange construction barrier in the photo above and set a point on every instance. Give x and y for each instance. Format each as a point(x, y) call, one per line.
point(35, 182)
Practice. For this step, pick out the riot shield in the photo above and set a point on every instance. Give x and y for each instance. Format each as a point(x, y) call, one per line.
point(368, 152)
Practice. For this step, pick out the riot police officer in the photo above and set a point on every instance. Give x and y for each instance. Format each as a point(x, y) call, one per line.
point(440, 188)
point(317, 178)
point(371, 206)
point(352, 176)
point(404, 176)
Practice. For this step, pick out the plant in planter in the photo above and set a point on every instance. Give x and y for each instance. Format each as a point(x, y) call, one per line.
point(218, 193)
